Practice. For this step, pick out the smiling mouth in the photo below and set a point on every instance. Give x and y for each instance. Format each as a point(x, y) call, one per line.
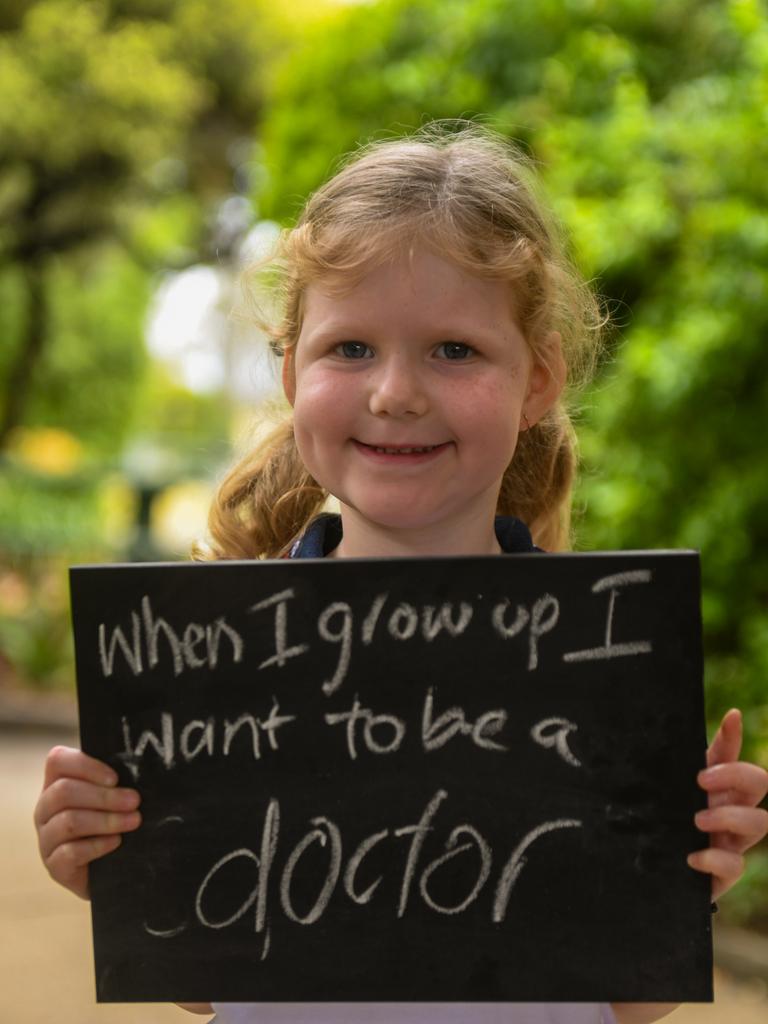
point(403, 449)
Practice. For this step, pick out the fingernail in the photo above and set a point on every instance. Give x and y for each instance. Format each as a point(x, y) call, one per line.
point(110, 779)
point(703, 817)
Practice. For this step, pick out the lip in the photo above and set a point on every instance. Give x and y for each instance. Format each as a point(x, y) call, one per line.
point(401, 458)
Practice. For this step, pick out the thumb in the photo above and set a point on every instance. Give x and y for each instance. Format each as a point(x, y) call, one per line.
point(726, 746)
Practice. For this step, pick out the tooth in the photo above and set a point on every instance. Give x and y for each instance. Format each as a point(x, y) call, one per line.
point(403, 451)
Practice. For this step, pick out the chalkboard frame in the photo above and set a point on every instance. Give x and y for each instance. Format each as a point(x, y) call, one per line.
point(676, 962)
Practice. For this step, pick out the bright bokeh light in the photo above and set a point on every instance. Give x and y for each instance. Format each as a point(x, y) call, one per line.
point(185, 326)
point(179, 515)
point(192, 331)
point(48, 450)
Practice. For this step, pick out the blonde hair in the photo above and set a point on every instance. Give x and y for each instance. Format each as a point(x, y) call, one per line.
point(471, 196)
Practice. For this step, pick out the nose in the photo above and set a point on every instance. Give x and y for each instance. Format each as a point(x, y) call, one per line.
point(397, 389)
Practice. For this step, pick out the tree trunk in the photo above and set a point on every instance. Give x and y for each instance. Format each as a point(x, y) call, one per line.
point(19, 382)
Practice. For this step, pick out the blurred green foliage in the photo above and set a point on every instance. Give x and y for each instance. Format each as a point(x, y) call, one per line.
point(124, 121)
point(119, 128)
point(93, 346)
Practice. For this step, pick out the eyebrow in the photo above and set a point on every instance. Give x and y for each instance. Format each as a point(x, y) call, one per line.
point(339, 327)
point(353, 330)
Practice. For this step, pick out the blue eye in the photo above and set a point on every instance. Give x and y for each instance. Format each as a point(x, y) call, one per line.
point(455, 350)
point(354, 350)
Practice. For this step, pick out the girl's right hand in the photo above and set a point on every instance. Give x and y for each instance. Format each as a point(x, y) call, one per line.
point(80, 815)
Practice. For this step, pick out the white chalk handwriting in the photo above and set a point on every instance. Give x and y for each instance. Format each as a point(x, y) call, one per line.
point(149, 641)
point(271, 888)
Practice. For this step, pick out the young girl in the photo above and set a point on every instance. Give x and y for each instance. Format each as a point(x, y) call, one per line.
point(431, 327)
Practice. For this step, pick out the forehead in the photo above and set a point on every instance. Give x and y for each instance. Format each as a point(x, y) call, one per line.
point(418, 284)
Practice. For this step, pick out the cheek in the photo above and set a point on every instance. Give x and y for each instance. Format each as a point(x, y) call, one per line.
point(490, 406)
point(321, 410)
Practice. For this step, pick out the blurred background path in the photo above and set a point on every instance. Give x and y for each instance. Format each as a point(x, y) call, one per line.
point(46, 970)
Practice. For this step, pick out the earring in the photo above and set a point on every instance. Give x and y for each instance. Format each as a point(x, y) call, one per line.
point(527, 424)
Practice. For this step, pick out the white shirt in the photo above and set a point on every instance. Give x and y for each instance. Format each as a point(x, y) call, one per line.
point(413, 1013)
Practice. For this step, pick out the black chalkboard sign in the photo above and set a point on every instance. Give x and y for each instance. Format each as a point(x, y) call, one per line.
point(446, 779)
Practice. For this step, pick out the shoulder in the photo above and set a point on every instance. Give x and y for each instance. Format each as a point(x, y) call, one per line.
point(321, 536)
point(513, 535)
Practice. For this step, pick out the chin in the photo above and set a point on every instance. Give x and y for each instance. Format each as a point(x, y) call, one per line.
point(398, 517)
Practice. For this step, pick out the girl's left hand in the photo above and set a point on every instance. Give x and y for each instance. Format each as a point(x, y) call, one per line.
point(733, 819)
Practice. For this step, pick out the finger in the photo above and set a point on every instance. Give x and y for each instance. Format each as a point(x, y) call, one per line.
point(69, 826)
point(725, 866)
point(726, 746)
point(73, 793)
point(68, 762)
point(747, 824)
point(67, 862)
point(736, 782)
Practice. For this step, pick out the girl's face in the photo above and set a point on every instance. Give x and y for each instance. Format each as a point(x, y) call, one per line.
point(409, 392)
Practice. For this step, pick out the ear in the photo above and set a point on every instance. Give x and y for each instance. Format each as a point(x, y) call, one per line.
point(547, 380)
point(289, 375)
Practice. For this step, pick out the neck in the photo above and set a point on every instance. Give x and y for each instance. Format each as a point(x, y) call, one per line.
point(363, 539)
